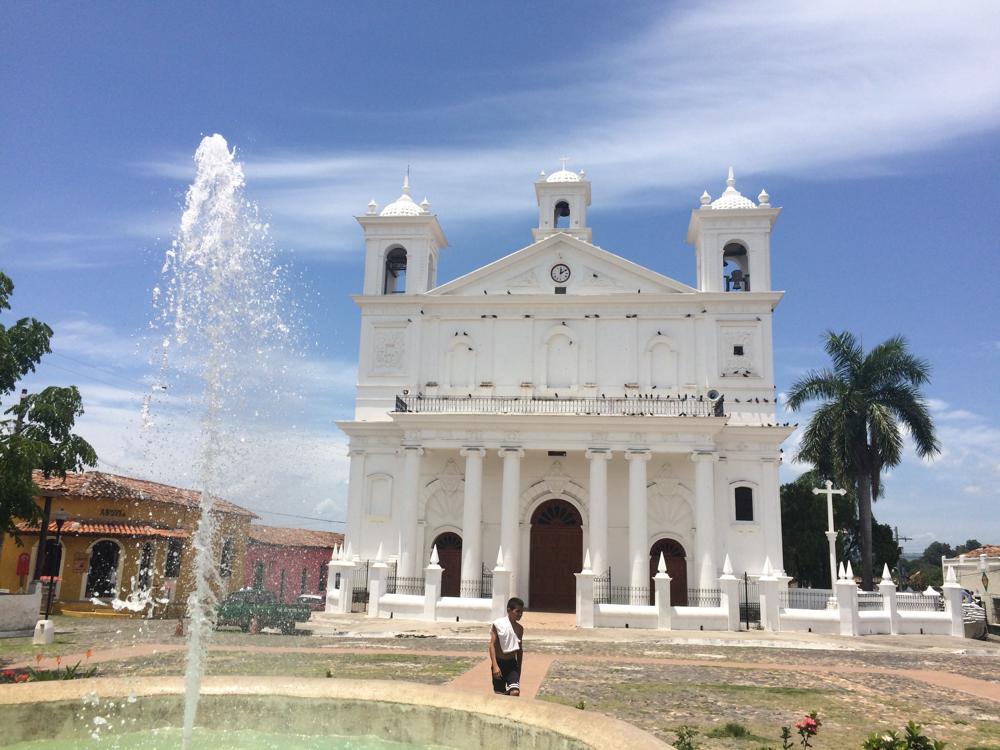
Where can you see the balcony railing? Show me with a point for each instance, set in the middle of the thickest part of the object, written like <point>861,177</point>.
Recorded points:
<point>630,406</point>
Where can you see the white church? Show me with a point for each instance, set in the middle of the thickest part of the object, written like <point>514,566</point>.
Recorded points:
<point>563,403</point>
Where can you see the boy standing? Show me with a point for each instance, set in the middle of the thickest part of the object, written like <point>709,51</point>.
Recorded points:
<point>506,650</point>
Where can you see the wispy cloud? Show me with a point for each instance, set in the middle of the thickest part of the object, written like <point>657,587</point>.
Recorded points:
<point>811,89</point>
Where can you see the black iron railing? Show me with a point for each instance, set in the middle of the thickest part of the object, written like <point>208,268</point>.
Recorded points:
<point>478,588</point>
<point>749,602</point>
<point>631,406</point>
<point>806,598</point>
<point>359,588</point>
<point>919,603</point>
<point>869,600</point>
<point>704,597</point>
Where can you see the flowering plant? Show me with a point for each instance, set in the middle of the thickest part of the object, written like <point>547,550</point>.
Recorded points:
<point>807,728</point>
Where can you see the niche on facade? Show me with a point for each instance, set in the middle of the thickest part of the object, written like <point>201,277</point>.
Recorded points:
<point>561,359</point>
<point>460,362</point>
<point>378,496</point>
<point>661,363</point>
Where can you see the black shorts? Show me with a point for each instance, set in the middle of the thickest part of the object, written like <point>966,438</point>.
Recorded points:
<point>510,677</point>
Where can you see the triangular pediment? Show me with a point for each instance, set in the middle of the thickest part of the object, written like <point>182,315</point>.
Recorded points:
<point>591,271</point>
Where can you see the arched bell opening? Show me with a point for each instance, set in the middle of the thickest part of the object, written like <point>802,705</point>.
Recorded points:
<point>560,217</point>
<point>556,550</point>
<point>395,271</point>
<point>676,559</point>
<point>449,548</point>
<point>736,267</point>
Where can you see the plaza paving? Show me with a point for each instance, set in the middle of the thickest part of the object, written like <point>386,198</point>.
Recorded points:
<point>655,680</point>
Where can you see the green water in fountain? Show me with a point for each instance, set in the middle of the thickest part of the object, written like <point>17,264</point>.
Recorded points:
<point>217,739</point>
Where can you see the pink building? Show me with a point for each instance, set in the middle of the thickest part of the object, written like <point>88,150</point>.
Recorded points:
<point>289,562</point>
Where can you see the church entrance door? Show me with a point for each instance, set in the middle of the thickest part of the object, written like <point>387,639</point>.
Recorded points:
<point>674,556</point>
<point>449,546</point>
<point>556,554</point>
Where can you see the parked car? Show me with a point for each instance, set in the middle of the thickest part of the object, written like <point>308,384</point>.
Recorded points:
<point>315,602</point>
<point>241,607</point>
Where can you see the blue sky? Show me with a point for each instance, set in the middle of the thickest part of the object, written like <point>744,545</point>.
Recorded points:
<point>875,128</point>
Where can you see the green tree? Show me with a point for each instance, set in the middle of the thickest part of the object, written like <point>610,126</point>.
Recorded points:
<point>806,552</point>
<point>37,431</point>
<point>855,431</point>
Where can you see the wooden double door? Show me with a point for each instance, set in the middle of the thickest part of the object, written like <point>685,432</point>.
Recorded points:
<point>676,559</point>
<point>556,555</point>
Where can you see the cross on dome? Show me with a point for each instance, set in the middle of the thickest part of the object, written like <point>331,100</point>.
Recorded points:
<point>563,175</point>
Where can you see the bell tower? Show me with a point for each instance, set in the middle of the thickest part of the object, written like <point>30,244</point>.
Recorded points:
<point>732,241</point>
<point>563,198</point>
<point>402,243</point>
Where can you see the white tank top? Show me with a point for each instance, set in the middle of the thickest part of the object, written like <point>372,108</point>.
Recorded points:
<point>506,637</point>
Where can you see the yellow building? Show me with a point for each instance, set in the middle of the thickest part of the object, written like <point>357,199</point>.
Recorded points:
<point>124,541</point>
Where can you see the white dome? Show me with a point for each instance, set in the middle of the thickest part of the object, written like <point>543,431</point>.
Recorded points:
<point>563,175</point>
<point>404,205</point>
<point>731,197</point>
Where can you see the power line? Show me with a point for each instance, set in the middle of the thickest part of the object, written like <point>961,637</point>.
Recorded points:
<point>99,369</point>
<point>293,515</point>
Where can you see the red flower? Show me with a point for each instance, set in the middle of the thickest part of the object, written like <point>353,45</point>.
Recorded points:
<point>23,677</point>
<point>8,673</point>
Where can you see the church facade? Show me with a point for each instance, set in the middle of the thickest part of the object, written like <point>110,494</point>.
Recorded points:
<point>564,401</point>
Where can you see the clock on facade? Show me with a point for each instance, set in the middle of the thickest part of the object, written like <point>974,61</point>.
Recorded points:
<point>560,273</point>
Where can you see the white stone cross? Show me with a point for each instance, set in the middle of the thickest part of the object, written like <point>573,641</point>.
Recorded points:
<point>831,535</point>
<point>829,492</point>
<point>564,159</point>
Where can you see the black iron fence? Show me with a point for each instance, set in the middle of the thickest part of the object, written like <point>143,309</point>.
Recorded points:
<point>704,597</point>
<point>749,602</point>
<point>359,588</point>
<point>397,584</point>
<point>806,598</point>
<point>629,406</point>
<point>478,588</point>
<point>919,603</point>
<point>870,600</point>
<point>602,587</point>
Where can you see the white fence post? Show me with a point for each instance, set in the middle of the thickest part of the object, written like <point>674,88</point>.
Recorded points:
<point>501,588</point>
<point>432,587</point>
<point>729,587</point>
<point>847,603</point>
<point>770,603</point>
<point>345,568</point>
<point>378,573</point>
<point>888,591</point>
<point>953,603</point>
<point>585,595</point>
<point>661,582</point>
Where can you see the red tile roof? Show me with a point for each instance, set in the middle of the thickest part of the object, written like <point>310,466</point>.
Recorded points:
<point>100,528</point>
<point>990,550</point>
<point>283,537</point>
<point>100,485</point>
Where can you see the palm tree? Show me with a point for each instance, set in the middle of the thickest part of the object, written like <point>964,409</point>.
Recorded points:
<point>855,432</point>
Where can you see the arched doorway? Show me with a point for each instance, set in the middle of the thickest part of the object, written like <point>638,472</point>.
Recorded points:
<point>556,552</point>
<point>102,576</point>
<point>449,547</point>
<point>675,558</point>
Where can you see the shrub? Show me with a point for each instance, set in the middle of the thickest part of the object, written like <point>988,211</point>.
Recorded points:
<point>912,739</point>
<point>730,729</point>
<point>685,738</point>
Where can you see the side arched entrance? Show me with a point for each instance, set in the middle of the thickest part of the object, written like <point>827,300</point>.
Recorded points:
<point>103,572</point>
<point>676,560</point>
<point>449,547</point>
<point>556,552</point>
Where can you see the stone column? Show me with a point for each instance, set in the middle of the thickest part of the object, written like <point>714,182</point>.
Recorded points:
<point>472,522</point>
<point>356,500</point>
<point>638,537</point>
<point>509,500</point>
<point>729,586</point>
<point>501,590</point>
<point>888,591</point>
<point>432,589</point>
<point>770,603</point>
<point>846,592</point>
<point>408,511</point>
<point>952,593</point>
<point>704,518</point>
<point>378,573</point>
<point>598,521</point>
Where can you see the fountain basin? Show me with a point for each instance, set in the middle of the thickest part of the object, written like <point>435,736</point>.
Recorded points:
<point>403,712</point>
